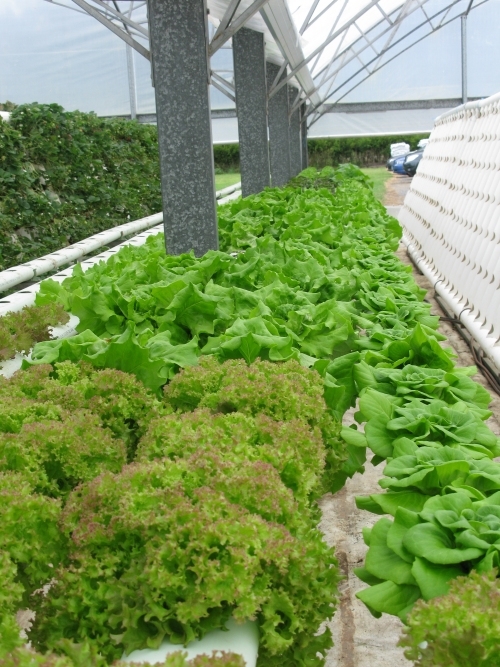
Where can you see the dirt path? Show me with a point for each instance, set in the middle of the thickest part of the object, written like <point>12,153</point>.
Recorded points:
<point>395,190</point>
<point>360,639</point>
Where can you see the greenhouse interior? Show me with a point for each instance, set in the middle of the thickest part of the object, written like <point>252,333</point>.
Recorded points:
<point>250,333</point>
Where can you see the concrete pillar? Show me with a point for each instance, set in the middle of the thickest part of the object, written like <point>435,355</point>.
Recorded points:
<point>279,145</point>
<point>294,134</point>
<point>178,38</point>
<point>303,135</point>
<point>251,108</point>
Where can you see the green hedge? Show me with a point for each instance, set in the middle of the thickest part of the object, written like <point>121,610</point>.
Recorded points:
<point>67,175</point>
<point>361,151</point>
<point>227,157</point>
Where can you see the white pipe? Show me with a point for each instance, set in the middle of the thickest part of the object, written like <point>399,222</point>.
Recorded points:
<point>231,197</point>
<point>26,297</point>
<point>30,270</point>
<point>228,191</point>
<point>37,267</point>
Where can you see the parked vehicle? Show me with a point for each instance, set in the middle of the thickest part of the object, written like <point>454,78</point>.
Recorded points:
<point>389,163</point>
<point>397,165</point>
<point>411,162</point>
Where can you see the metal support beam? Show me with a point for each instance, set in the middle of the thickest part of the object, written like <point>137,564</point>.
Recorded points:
<point>294,134</point>
<point>463,20</point>
<point>132,89</point>
<point>114,28</point>
<point>220,38</point>
<point>279,145</point>
<point>303,135</point>
<point>178,34</point>
<point>251,108</point>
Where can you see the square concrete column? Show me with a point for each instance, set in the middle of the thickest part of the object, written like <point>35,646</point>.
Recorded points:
<point>178,38</point>
<point>251,108</point>
<point>303,135</point>
<point>294,134</point>
<point>279,145</point>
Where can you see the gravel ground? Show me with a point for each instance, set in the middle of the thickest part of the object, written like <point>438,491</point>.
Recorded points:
<point>360,639</point>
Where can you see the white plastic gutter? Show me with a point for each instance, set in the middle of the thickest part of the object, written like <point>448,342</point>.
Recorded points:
<point>38,267</point>
<point>72,253</point>
<point>222,194</point>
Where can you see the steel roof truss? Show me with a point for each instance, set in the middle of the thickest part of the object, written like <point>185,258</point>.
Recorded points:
<point>321,48</point>
<point>380,53</point>
<point>222,81</point>
<point>308,17</point>
<point>93,11</point>
<point>332,30</point>
<point>446,10</point>
<point>235,24</point>
<point>124,18</point>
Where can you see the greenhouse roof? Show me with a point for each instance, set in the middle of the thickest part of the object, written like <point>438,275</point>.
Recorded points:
<point>335,51</point>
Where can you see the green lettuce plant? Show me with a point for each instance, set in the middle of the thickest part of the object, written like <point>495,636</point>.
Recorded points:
<point>19,331</point>
<point>284,392</point>
<point>157,552</point>
<point>430,423</point>
<point>42,393</point>
<point>31,547</point>
<point>424,383</point>
<point>58,455</point>
<point>292,447</point>
<point>459,629</point>
<point>423,548</point>
<point>436,471</point>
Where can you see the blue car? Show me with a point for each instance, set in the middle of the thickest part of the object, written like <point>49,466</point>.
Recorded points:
<point>397,165</point>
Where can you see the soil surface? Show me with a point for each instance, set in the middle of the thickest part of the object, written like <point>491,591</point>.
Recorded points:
<point>360,639</point>
<point>396,189</point>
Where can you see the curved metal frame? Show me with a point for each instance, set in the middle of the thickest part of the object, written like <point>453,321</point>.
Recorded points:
<point>316,80</point>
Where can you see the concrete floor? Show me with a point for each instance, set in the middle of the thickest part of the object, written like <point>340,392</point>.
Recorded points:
<point>360,639</point>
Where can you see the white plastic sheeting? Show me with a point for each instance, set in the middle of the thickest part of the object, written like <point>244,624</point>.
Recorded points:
<point>52,54</point>
<point>410,121</point>
<point>451,217</point>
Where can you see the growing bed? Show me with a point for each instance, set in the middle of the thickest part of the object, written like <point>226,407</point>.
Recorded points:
<point>187,430</point>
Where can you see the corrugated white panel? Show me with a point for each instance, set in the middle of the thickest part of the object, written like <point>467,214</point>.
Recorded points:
<point>451,217</point>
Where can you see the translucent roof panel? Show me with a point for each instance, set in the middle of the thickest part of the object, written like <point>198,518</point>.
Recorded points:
<point>336,50</point>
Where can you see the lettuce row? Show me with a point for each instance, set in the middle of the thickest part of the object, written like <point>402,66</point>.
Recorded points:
<point>228,464</point>
<point>306,276</point>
